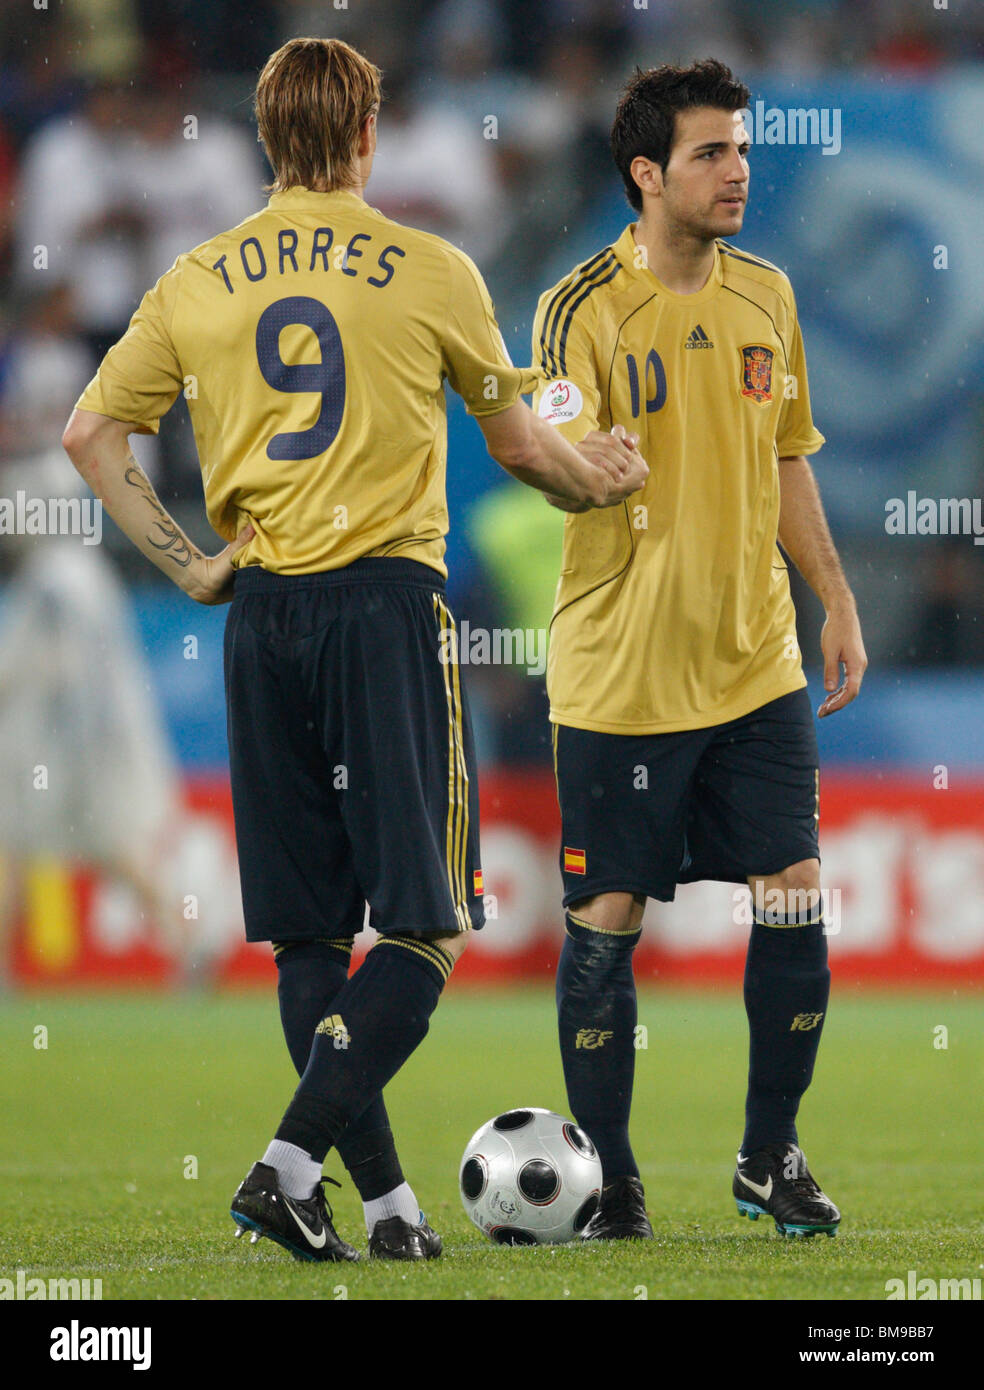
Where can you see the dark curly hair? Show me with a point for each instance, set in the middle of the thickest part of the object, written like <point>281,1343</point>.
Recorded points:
<point>645,119</point>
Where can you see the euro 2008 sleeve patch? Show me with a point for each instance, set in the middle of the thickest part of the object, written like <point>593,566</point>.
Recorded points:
<point>561,402</point>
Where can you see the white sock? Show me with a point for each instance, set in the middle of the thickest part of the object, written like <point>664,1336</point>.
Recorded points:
<point>297,1170</point>
<point>398,1202</point>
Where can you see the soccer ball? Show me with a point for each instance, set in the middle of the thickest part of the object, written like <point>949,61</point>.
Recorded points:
<point>530,1177</point>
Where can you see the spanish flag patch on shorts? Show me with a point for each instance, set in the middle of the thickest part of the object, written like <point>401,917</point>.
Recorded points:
<point>574,861</point>
<point>479,883</point>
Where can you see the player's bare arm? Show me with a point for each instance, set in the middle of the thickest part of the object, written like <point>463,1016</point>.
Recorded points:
<point>805,536</point>
<point>99,448</point>
<point>597,446</point>
<point>536,454</point>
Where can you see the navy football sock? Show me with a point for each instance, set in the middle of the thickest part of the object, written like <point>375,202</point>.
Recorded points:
<point>310,975</point>
<point>376,1021</point>
<point>596,1014</point>
<point>370,1155</point>
<point>787,986</point>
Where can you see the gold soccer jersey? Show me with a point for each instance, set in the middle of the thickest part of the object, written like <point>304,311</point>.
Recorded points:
<point>311,343</point>
<point>673,610</point>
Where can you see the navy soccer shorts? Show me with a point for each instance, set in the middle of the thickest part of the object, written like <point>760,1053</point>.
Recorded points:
<point>351,755</point>
<point>642,813</point>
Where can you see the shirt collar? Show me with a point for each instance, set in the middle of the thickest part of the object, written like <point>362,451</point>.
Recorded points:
<point>629,255</point>
<point>299,196</point>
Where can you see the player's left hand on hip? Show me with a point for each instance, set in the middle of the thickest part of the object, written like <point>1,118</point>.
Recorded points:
<point>212,580</point>
<point>841,644</point>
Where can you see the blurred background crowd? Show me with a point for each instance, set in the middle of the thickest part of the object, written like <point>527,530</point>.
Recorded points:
<point>126,137</point>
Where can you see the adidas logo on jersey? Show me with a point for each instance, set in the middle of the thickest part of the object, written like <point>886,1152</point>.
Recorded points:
<point>698,339</point>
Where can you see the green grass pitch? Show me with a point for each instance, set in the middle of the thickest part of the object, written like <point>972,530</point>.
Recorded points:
<point>133,1092</point>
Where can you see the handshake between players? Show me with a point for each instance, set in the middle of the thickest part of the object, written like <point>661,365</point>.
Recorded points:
<point>600,471</point>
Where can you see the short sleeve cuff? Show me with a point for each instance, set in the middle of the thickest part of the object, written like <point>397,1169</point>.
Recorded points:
<point>98,397</point>
<point>505,385</point>
<point>805,444</point>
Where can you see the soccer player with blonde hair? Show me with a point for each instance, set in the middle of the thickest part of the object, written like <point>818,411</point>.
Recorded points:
<point>312,342</point>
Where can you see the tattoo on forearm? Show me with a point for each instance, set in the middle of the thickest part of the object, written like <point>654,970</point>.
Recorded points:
<point>168,536</point>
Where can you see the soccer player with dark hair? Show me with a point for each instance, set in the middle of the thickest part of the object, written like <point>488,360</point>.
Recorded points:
<point>312,343</point>
<point>684,740</point>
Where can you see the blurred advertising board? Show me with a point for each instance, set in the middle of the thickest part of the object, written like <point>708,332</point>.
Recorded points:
<point>903,881</point>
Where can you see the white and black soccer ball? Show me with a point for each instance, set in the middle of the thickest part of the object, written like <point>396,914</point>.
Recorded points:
<point>530,1177</point>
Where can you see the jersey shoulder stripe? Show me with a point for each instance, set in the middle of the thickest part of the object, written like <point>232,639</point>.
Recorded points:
<point>749,259</point>
<point>610,273</point>
<point>761,283</point>
<point>557,298</point>
<point>561,296</point>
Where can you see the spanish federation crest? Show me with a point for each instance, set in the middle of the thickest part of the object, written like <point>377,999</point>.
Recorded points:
<point>756,372</point>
